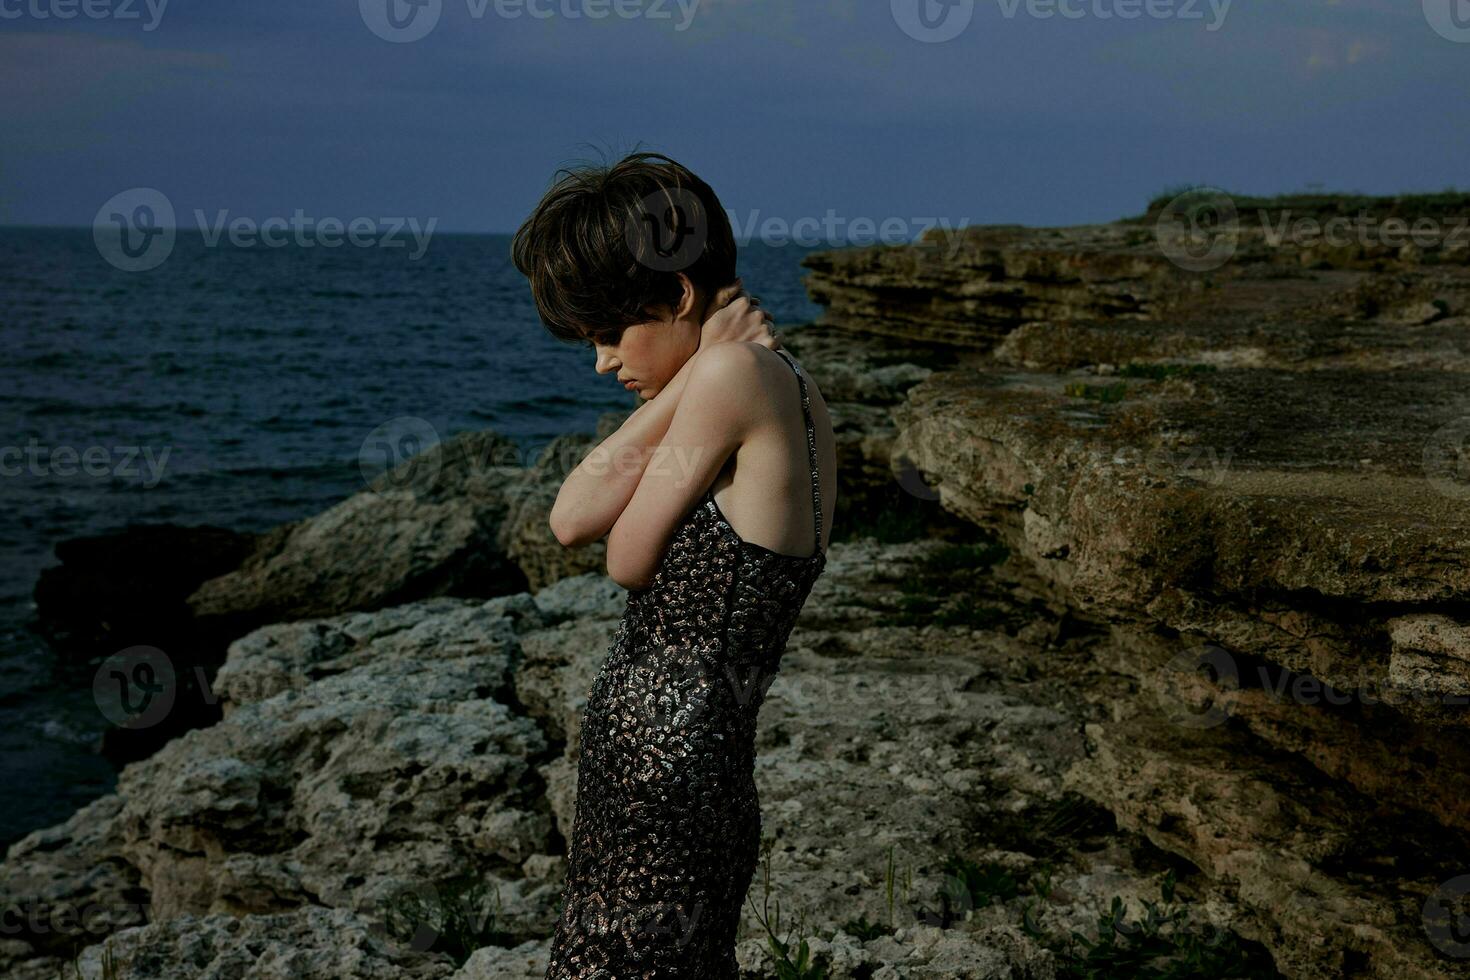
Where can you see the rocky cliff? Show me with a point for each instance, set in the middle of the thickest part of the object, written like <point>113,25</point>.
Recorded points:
<point>1143,643</point>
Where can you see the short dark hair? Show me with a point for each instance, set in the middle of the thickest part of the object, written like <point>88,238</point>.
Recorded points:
<point>605,245</point>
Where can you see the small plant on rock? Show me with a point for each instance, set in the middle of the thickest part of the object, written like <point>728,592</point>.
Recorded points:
<point>790,959</point>
<point>457,919</point>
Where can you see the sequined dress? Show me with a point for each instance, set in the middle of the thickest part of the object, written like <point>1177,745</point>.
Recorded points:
<point>667,828</point>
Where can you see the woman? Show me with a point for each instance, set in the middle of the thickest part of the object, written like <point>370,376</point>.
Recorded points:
<point>715,496</point>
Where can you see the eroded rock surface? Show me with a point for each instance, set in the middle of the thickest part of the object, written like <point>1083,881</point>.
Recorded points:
<point>1258,476</point>
<point>927,711</point>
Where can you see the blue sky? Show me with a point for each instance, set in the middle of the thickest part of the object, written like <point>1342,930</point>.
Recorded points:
<point>790,109</point>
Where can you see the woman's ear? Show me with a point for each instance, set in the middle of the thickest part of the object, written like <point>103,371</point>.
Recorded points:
<point>691,303</point>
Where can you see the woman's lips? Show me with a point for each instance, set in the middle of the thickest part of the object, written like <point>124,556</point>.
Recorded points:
<point>631,385</point>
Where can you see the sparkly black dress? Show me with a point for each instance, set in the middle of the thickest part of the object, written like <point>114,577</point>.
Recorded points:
<point>667,828</point>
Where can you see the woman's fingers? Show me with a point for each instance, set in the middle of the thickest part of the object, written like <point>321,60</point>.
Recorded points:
<point>724,296</point>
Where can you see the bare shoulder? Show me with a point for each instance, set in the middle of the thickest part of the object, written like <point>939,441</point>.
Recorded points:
<point>729,372</point>
<point>730,359</point>
<point>740,370</point>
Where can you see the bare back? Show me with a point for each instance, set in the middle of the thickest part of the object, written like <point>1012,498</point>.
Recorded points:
<point>765,488</point>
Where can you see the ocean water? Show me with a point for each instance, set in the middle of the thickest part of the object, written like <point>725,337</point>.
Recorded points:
<point>236,387</point>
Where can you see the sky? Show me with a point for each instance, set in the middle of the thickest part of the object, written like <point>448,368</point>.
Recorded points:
<point>1042,112</point>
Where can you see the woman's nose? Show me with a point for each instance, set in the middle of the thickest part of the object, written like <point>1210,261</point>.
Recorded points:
<point>604,362</point>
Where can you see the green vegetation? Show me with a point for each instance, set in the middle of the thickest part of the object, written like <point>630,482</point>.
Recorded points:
<point>968,886</point>
<point>110,968</point>
<point>965,558</point>
<point>1162,945</point>
<point>791,960</point>
<point>456,917</point>
<point>865,930</point>
<point>1049,831</point>
<point>892,525</point>
<point>1104,393</point>
<point>941,590</point>
<point>1449,201</point>
<point>1159,372</point>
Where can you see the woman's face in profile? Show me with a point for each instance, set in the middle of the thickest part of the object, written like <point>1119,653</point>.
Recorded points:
<point>649,354</point>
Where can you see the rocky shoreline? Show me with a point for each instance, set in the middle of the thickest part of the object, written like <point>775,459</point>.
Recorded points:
<point>1144,637</point>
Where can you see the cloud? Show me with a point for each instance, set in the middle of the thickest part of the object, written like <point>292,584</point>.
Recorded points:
<point>46,76</point>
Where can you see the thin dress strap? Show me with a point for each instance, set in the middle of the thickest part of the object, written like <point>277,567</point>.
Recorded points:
<point>811,448</point>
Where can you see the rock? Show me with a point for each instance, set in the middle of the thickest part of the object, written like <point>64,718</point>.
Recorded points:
<point>924,953</point>
<point>428,527</point>
<point>305,944</point>
<point>1431,656</point>
<point>525,534</point>
<point>527,961</point>
<point>1192,509</point>
<point>69,886</point>
<point>1279,836</point>
<point>361,756</point>
<point>1203,473</point>
<point>110,591</point>
<point>376,757</point>
<point>969,288</point>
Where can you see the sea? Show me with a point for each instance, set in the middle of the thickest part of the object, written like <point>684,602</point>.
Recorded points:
<point>237,385</point>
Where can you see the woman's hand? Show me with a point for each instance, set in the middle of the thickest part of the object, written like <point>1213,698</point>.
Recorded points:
<point>733,315</point>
